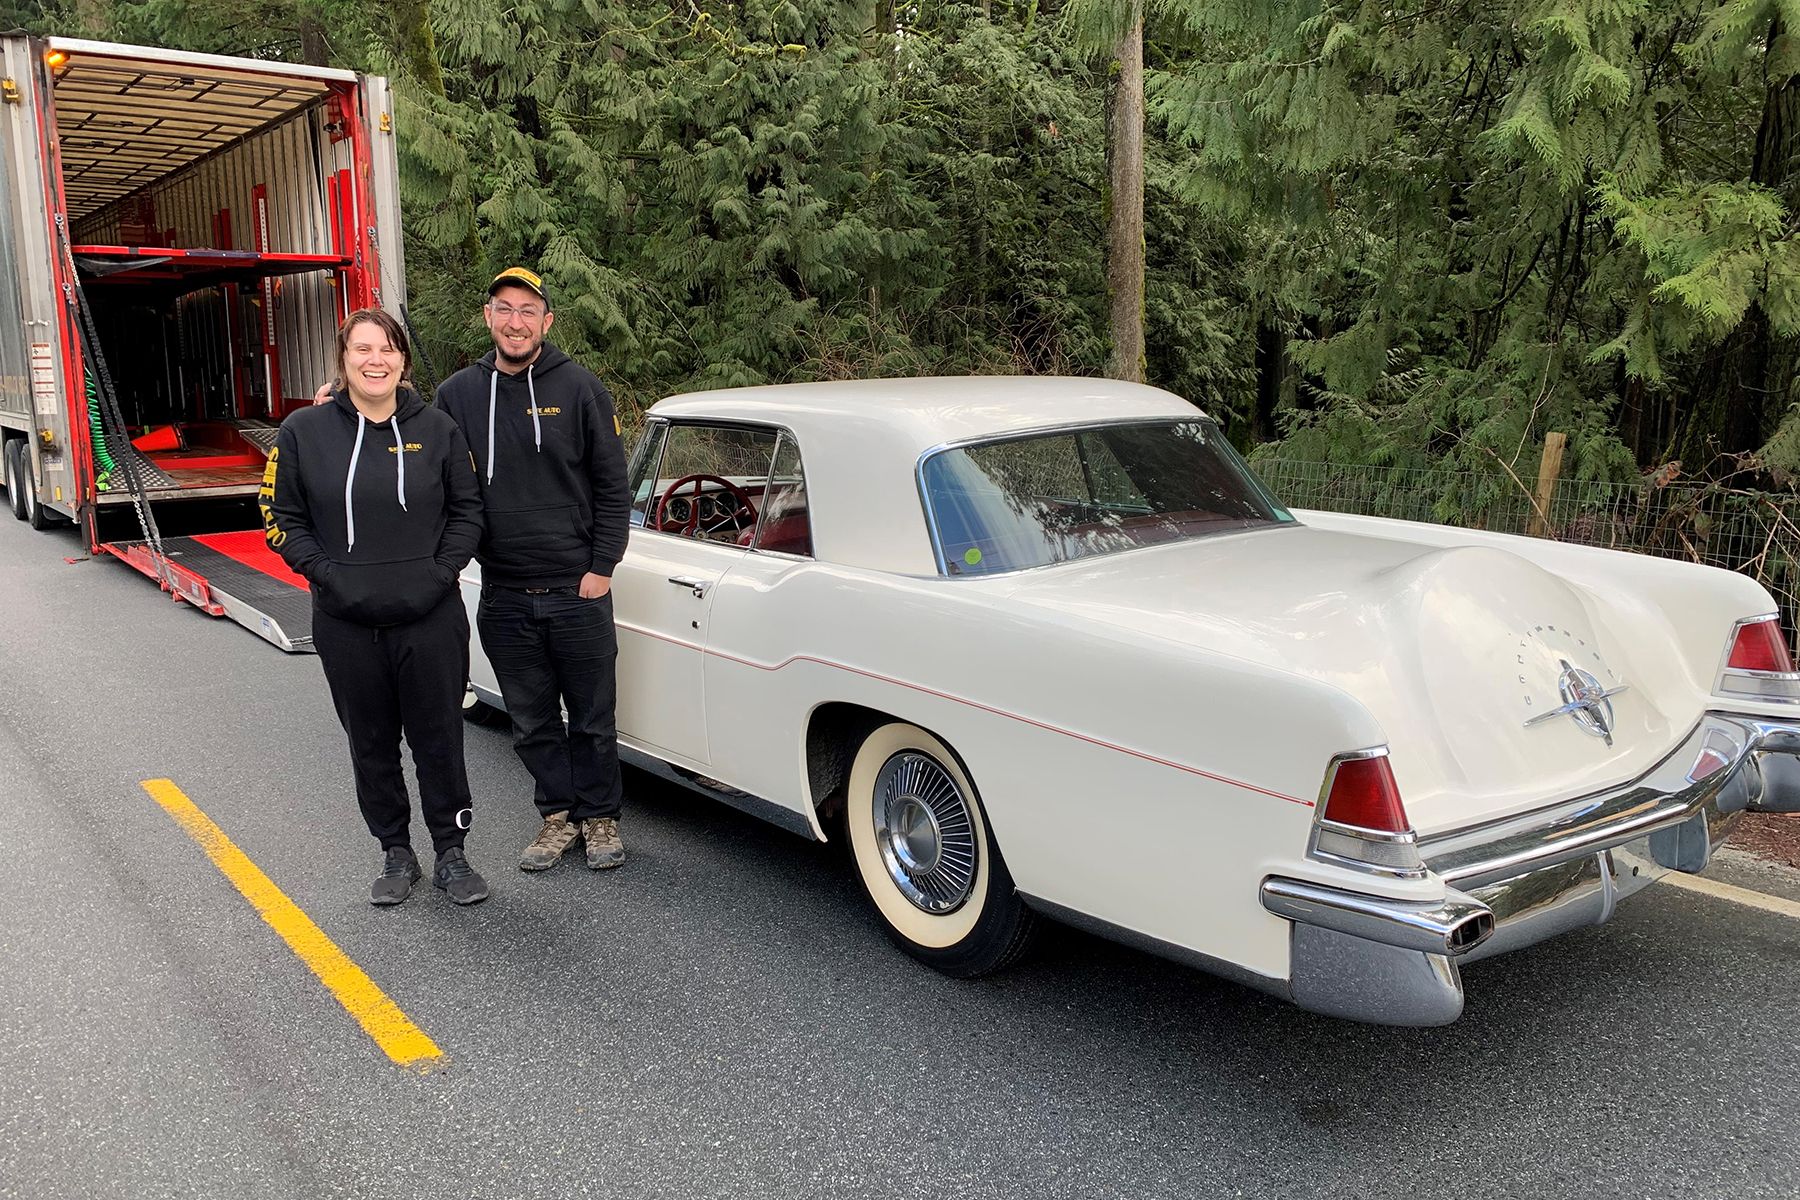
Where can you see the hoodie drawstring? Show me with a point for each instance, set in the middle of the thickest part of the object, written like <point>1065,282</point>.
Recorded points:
<point>350,476</point>
<point>537,430</point>
<point>400,454</point>
<point>349,483</point>
<point>493,391</point>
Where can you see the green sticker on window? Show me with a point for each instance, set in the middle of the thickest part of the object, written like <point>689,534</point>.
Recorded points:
<point>971,556</point>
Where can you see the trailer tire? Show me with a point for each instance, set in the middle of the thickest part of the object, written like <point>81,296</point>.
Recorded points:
<point>36,515</point>
<point>16,484</point>
<point>39,517</point>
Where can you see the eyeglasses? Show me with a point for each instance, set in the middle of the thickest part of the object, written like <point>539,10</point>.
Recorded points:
<point>505,311</point>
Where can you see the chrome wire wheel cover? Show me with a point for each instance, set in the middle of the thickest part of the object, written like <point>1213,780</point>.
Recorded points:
<point>925,833</point>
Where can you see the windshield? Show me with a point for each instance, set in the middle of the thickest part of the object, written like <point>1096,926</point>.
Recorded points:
<point>1052,497</point>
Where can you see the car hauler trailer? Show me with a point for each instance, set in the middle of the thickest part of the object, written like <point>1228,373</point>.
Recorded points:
<point>187,231</point>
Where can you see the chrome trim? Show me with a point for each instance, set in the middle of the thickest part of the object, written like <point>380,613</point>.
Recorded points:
<point>1591,708</point>
<point>1405,837</point>
<point>1450,927</point>
<point>926,833</point>
<point>1339,975</point>
<point>1480,854</point>
<point>1534,875</point>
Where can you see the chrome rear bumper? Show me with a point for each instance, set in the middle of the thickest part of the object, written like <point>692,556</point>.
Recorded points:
<point>1523,879</point>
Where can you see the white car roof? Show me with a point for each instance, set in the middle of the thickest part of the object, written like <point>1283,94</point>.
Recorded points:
<point>860,442</point>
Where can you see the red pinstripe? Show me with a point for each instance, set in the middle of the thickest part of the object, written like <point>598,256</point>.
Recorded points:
<point>987,708</point>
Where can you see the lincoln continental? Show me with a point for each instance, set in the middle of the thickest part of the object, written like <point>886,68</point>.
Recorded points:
<point>1047,649</point>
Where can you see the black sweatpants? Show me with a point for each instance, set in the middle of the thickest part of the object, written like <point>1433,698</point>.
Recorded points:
<point>403,678</point>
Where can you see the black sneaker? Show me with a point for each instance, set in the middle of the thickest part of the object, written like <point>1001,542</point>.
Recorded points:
<point>458,879</point>
<point>399,871</point>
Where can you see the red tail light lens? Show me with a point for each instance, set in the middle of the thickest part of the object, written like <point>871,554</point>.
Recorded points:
<point>1759,646</point>
<point>1363,794</point>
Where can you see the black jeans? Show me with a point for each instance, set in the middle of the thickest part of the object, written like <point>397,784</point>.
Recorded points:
<point>553,651</point>
<point>403,678</point>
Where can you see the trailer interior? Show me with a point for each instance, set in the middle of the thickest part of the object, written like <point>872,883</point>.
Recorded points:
<point>214,222</point>
<point>208,211</point>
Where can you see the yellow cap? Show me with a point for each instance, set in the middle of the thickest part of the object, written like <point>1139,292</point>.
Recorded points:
<point>519,277</point>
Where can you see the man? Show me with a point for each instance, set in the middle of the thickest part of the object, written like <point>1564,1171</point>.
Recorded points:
<point>552,474</point>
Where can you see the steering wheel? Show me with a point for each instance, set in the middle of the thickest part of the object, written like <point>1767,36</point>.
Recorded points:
<point>743,510</point>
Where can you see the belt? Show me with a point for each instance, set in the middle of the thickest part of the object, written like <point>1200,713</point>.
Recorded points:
<point>536,591</point>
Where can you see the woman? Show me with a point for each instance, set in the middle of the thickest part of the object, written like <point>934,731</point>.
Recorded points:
<point>373,499</point>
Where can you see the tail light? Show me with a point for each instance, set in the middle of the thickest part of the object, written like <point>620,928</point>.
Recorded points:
<point>1758,666</point>
<point>1361,820</point>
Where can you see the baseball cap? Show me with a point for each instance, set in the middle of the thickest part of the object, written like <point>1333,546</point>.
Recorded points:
<point>520,277</point>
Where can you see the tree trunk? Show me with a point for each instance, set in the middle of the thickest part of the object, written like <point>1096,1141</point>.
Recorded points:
<point>1271,375</point>
<point>416,46</point>
<point>1125,206</point>
<point>1756,368</point>
<point>314,50</point>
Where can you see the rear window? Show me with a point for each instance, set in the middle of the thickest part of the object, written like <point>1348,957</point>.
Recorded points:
<point>1046,498</point>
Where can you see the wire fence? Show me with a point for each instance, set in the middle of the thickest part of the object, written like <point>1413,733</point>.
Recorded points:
<point>1755,533</point>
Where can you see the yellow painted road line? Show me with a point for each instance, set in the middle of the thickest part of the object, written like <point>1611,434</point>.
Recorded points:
<point>1737,895</point>
<point>380,1017</point>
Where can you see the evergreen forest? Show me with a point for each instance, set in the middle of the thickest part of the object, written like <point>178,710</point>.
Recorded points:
<point>1419,233</point>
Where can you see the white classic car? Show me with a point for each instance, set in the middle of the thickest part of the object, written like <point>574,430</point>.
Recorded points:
<point>1047,647</point>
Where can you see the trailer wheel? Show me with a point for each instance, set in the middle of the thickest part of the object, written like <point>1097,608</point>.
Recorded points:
<point>16,486</point>
<point>39,517</point>
<point>36,515</point>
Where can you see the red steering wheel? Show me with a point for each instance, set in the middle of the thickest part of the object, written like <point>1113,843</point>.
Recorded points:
<point>742,512</point>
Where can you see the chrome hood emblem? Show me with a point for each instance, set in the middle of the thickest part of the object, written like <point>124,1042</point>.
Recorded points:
<point>1585,700</point>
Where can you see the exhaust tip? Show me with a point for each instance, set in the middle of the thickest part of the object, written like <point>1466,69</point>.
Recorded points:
<point>1468,934</point>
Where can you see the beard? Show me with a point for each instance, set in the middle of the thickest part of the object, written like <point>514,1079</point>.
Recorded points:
<point>518,360</point>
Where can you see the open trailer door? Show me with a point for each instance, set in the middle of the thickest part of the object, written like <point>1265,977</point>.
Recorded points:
<point>214,218</point>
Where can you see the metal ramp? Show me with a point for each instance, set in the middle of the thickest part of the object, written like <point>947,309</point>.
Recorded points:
<point>231,575</point>
<point>261,434</point>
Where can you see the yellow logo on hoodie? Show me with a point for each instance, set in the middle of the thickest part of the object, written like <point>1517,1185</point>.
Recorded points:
<point>411,448</point>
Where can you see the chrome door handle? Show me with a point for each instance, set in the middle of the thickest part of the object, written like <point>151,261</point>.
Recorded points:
<point>697,586</point>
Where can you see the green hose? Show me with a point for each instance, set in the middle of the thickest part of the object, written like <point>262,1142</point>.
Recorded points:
<point>97,434</point>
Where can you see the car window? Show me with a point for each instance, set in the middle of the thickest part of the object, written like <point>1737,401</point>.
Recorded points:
<point>709,482</point>
<point>1022,502</point>
<point>785,527</point>
<point>642,475</point>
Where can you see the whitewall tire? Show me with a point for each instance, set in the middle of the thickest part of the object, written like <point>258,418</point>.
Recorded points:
<point>925,857</point>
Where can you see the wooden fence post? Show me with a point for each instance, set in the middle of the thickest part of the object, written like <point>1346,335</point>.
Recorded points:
<point>1549,468</point>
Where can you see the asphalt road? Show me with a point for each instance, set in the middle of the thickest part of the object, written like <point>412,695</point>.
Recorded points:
<point>721,1017</point>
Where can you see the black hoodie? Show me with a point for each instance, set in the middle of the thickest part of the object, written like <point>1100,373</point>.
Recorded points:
<point>551,466</point>
<point>384,548</point>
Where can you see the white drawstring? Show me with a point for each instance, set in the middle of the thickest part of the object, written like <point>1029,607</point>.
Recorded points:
<point>350,476</point>
<point>350,482</point>
<point>493,391</point>
<point>537,432</point>
<point>400,453</point>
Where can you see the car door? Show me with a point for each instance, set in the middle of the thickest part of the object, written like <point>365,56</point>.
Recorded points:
<point>694,499</point>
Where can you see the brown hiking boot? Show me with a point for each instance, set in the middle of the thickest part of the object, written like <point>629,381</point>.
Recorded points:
<point>604,849</point>
<point>549,844</point>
